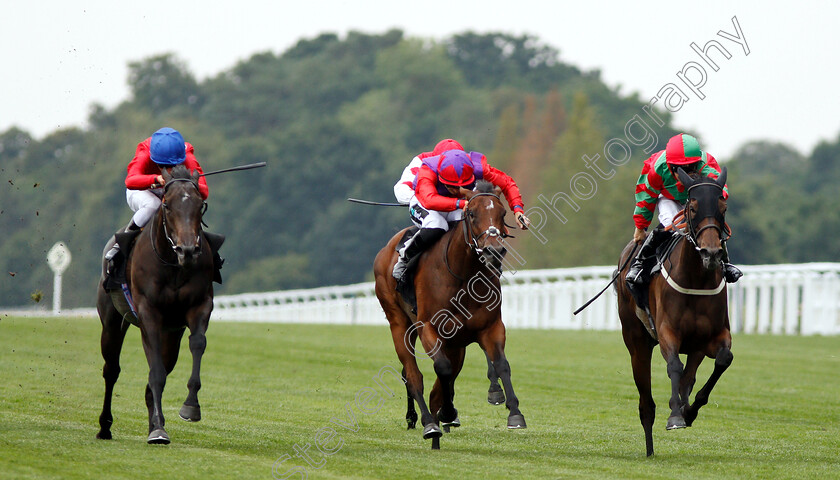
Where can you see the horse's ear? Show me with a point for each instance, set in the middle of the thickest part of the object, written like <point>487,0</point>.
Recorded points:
<point>195,175</point>
<point>721,180</point>
<point>497,190</point>
<point>686,180</point>
<point>167,174</point>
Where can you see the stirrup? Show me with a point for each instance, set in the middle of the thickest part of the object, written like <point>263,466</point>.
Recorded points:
<point>731,273</point>
<point>634,277</point>
<point>399,269</point>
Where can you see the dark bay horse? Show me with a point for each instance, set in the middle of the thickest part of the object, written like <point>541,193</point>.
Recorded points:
<point>689,309</point>
<point>458,303</point>
<point>169,273</point>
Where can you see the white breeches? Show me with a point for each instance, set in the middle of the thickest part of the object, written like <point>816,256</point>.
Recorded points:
<point>431,218</point>
<point>667,210</point>
<point>143,203</point>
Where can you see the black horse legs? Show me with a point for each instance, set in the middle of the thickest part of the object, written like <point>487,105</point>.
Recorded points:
<point>495,394</point>
<point>191,410</point>
<point>113,334</point>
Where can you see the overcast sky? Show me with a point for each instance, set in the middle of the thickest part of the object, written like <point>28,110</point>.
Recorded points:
<point>61,57</point>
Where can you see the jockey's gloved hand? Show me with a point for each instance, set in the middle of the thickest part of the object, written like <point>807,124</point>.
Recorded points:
<point>523,221</point>
<point>639,235</point>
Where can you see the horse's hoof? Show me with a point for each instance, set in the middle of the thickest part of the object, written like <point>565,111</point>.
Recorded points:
<point>456,422</point>
<point>675,422</point>
<point>431,431</point>
<point>412,424</point>
<point>496,398</point>
<point>158,437</point>
<point>516,422</point>
<point>104,435</point>
<point>190,413</point>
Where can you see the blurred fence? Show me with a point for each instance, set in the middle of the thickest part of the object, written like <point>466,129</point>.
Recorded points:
<point>775,299</point>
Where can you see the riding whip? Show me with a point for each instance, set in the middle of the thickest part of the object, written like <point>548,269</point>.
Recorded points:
<point>234,169</point>
<point>617,273</point>
<point>378,204</point>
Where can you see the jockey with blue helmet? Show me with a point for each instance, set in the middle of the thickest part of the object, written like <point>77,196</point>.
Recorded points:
<point>438,197</point>
<point>144,181</point>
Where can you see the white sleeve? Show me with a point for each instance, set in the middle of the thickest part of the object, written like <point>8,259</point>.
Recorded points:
<point>404,189</point>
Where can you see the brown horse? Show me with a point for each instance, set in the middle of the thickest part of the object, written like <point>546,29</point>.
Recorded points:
<point>458,303</point>
<point>688,306</point>
<point>169,274</point>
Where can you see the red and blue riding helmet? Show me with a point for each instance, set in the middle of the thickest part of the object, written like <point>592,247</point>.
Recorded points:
<point>455,169</point>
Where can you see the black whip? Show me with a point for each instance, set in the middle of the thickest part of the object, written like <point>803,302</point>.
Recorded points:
<point>617,273</point>
<point>234,169</point>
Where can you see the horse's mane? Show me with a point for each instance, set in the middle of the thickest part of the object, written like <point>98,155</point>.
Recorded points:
<point>483,186</point>
<point>181,171</point>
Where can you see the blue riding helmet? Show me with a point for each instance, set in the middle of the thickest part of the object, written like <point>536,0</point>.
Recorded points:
<point>167,147</point>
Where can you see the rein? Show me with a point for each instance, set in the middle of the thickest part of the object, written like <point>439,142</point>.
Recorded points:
<point>491,231</point>
<point>690,234</point>
<point>161,211</point>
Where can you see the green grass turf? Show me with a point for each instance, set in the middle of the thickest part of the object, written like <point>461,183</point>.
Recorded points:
<point>269,388</point>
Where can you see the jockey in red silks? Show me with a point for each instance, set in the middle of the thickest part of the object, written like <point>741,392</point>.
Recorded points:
<point>165,149</point>
<point>659,185</point>
<point>437,198</point>
<point>404,189</point>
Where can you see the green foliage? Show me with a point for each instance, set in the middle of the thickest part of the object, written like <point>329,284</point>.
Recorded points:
<point>341,117</point>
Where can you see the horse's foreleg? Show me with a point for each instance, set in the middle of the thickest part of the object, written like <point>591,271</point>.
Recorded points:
<point>442,398</point>
<point>689,377</point>
<point>492,341</point>
<point>111,341</point>
<point>403,338</point>
<point>151,333</point>
<point>495,394</point>
<point>723,359</point>
<point>640,354</point>
<point>670,351</point>
<point>198,322</point>
<point>410,412</point>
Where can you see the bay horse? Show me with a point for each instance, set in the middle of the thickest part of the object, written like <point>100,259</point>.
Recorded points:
<point>688,304</point>
<point>458,302</point>
<point>169,274</point>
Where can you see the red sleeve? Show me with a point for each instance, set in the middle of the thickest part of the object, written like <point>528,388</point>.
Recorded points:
<point>191,163</point>
<point>427,195</point>
<point>506,183</point>
<point>710,161</point>
<point>142,171</point>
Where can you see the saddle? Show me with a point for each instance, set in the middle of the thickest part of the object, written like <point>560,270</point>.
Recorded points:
<point>116,281</point>
<point>651,266</point>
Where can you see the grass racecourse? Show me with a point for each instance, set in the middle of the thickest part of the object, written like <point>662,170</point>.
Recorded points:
<point>272,391</point>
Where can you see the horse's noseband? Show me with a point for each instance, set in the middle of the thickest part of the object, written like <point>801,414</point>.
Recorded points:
<point>163,208</point>
<point>692,235</point>
<point>491,231</point>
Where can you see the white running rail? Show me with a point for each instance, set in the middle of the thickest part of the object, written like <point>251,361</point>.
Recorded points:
<point>788,299</point>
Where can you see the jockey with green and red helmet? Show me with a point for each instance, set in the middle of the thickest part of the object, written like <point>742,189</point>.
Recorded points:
<point>659,186</point>
<point>438,197</point>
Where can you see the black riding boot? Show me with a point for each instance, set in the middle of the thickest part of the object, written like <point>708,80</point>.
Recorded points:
<point>109,256</point>
<point>424,238</point>
<point>635,275</point>
<point>730,272</point>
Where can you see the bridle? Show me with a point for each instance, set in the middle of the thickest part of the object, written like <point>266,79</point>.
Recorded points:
<point>162,210</point>
<point>469,237</point>
<point>692,233</point>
